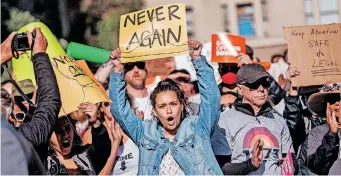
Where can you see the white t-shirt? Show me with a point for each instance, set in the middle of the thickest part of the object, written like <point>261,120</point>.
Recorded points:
<point>127,159</point>
<point>169,166</point>
<point>144,105</point>
<point>195,99</point>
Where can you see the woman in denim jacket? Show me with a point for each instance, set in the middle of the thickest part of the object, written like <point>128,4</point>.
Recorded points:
<point>174,143</point>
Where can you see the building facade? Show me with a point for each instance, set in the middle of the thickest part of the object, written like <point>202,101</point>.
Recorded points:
<point>260,21</point>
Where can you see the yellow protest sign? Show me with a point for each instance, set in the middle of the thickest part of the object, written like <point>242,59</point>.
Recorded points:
<point>23,68</point>
<point>74,84</point>
<point>316,52</point>
<point>153,33</point>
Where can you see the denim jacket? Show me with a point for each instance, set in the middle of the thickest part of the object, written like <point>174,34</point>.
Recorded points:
<point>191,147</point>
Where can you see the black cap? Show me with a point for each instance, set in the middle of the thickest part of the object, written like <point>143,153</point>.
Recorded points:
<point>250,73</point>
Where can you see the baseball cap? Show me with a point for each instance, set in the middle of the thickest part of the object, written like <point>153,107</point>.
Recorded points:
<point>250,73</point>
<point>229,78</point>
<point>26,86</point>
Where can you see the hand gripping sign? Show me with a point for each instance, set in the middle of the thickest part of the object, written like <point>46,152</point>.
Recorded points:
<point>153,33</point>
<point>74,84</point>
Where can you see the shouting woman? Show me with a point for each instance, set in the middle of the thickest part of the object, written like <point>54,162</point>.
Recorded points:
<point>173,143</point>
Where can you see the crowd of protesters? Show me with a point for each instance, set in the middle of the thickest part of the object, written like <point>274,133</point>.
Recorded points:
<point>250,123</point>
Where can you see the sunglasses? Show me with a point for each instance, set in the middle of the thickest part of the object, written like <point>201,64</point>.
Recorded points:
<point>19,116</point>
<point>265,83</point>
<point>21,99</point>
<point>130,65</point>
<point>184,80</point>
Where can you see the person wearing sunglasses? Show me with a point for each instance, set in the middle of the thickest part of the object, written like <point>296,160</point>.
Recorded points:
<point>135,74</point>
<point>257,136</point>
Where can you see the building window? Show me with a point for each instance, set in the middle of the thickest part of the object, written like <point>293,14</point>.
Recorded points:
<point>224,10</point>
<point>329,11</point>
<point>189,18</point>
<point>309,12</point>
<point>265,16</point>
<point>245,16</point>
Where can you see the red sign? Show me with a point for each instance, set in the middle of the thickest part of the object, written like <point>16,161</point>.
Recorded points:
<point>226,47</point>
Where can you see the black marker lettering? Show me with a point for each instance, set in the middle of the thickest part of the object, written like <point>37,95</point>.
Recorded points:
<point>172,11</point>
<point>131,20</point>
<point>140,17</point>
<point>159,13</point>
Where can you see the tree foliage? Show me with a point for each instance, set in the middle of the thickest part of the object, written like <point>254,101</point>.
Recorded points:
<point>18,19</point>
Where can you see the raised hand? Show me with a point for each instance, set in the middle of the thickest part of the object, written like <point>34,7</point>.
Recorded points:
<point>257,153</point>
<point>195,49</point>
<point>115,57</point>
<point>40,42</point>
<point>91,110</point>
<point>6,48</point>
<point>243,59</point>
<point>331,119</point>
<point>292,72</point>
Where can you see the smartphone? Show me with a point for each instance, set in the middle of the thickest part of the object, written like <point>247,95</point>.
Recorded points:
<point>20,42</point>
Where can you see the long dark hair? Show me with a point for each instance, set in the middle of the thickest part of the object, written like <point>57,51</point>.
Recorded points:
<point>170,85</point>
<point>77,145</point>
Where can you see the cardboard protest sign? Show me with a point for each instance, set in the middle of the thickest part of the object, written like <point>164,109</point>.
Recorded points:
<point>82,64</point>
<point>226,47</point>
<point>159,69</point>
<point>23,68</point>
<point>158,32</point>
<point>316,52</point>
<point>74,84</point>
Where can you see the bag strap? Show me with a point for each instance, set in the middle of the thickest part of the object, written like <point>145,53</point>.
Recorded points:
<point>18,88</point>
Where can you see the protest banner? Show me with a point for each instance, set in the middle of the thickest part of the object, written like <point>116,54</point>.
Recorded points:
<point>74,84</point>
<point>226,47</point>
<point>153,33</point>
<point>316,52</point>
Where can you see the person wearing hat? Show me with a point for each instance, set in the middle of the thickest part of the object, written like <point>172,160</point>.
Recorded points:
<point>321,150</point>
<point>257,136</point>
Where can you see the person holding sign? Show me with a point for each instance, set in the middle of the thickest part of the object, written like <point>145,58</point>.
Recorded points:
<point>174,143</point>
<point>135,74</point>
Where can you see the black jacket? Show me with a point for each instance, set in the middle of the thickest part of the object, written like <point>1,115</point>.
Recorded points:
<point>38,131</point>
<point>320,151</point>
<point>276,93</point>
<point>294,114</point>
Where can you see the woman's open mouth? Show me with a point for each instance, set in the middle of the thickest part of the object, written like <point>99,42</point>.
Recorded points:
<point>171,121</point>
<point>66,143</point>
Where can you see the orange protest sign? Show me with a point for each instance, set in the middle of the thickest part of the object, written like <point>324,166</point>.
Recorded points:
<point>82,64</point>
<point>226,47</point>
<point>316,52</point>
